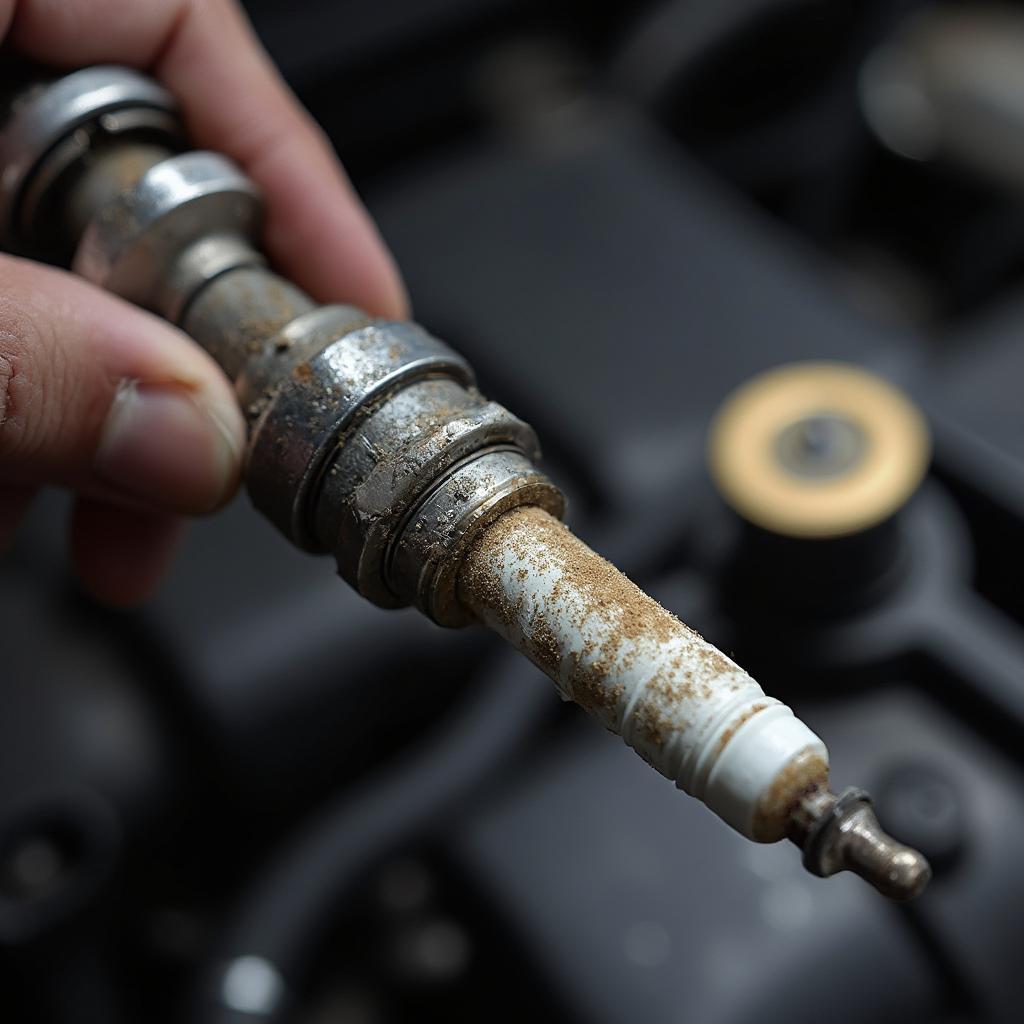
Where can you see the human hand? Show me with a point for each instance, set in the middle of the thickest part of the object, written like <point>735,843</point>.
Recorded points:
<point>103,398</point>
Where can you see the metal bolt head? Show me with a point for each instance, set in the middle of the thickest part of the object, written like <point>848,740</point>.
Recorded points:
<point>844,835</point>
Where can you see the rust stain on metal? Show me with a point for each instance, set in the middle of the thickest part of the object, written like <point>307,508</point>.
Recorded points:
<point>632,625</point>
<point>804,776</point>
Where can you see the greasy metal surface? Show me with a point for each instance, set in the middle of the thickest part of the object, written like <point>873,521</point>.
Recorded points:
<point>429,554</point>
<point>200,264</point>
<point>306,413</point>
<point>134,239</point>
<point>404,459</point>
<point>236,316</point>
<point>103,177</point>
<point>55,111</point>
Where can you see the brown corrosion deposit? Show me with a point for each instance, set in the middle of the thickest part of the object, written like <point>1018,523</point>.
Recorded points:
<point>803,778</point>
<point>614,650</point>
<point>541,543</point>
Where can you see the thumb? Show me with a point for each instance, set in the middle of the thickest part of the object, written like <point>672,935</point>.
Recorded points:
<point>100,396</point>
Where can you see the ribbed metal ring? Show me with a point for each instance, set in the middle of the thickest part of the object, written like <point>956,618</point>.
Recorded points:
<point>320,399</point>
<point>818,838</point>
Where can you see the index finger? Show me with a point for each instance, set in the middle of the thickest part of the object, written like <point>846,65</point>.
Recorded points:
<point>234,101</point>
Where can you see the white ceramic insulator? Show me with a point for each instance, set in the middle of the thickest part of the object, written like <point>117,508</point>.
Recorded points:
<point>687,709</point>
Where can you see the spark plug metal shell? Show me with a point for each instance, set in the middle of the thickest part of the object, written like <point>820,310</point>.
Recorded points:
<point>367,437</point>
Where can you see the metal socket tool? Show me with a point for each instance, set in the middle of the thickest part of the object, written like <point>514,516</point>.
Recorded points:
<point>369,440</point>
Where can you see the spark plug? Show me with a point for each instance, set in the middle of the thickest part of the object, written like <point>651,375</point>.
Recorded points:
<point>368,439</point>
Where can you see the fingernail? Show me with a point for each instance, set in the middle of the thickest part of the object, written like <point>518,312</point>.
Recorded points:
<point>171,447</point>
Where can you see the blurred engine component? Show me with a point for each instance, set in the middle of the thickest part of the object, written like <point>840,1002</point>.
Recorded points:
<point>950,84</point>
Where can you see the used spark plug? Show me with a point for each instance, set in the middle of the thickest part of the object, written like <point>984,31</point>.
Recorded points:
<point>369,440</point>
<point>683,706</point>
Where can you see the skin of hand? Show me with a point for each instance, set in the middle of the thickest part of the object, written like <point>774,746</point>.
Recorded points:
<point>109,401</point>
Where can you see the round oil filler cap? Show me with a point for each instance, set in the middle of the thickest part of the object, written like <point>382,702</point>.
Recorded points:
<point>817,449</point>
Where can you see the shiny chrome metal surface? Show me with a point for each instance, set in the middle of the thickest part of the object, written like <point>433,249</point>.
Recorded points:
<point>52,113</point>
<point>132,243</point>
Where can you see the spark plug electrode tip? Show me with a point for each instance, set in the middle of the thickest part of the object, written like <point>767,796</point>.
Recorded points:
<point>843,834</point>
